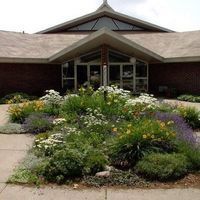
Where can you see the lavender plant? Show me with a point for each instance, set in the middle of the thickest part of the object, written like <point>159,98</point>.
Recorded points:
<point>184,131</point>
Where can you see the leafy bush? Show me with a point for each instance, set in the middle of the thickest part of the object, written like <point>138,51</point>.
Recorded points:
<point>46,144</point>
<point>63,165</point>
<point>19,112</point>
<point>143,104</point>
<point>52,101</point>
<point>18,97</point>
<point>188,97</point>
<point>94,162</point>
<point>162,167</point>
<point>134,140</point>
<point>191,115</point>
<point>37,123</point>
<point>192,153</point>
<point>12,128</point>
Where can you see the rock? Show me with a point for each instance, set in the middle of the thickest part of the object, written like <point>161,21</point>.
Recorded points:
<point>75,186</point>
<point>108,168</point>
<point>103,174</point>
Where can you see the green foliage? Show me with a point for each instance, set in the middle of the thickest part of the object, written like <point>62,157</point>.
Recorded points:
<point>134,140</point>
<point>117,177</point>
<point>94,161</point>
<point>12,128</point>
<point>189,97</point>
<point>79,104</point>
<point>52,109</point>
<point>162,167</point>
<point>19,112</point>
<point>63,165</point>
<point>24,176</point>
<point>193,155</point>
<point>191,115</point>
<point>37,123</point>
<point>17,97</point>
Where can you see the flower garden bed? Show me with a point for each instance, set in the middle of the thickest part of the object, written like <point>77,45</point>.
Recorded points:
<point>131,141</point>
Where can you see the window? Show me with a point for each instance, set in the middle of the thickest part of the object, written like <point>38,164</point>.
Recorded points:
<point>105,21</point>
<point>115,57</point>
<point>141,80</point>
<point>68,76</point>
<point>91,57</point>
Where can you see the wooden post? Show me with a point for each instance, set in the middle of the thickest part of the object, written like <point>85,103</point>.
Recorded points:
<point>104,65</point>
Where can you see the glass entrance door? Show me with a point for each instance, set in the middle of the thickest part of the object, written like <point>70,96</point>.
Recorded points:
<point>89,75</point>
<point>128,77</point>
<point>114,75</point>
<point>95,77</point>
<point>122,75</point>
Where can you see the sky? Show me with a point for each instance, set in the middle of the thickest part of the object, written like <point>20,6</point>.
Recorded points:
<point>35,15</point>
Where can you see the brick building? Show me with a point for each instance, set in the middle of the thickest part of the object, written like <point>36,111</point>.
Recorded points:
<point>103,47</point>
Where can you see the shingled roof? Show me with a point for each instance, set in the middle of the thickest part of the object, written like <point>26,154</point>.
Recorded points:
<point>165,47</point>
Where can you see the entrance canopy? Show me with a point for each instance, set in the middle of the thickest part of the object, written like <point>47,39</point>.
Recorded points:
<point>105,37</point>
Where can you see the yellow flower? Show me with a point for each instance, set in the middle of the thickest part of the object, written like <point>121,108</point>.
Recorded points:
<point>114,129</point>
<point>128,131</point>
<point>152,137</point>
<point>144,136</point>
<point>129,125</point>
<point>162,124</point>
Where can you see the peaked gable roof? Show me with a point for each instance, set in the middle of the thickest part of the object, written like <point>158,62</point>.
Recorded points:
<point>105,10</point>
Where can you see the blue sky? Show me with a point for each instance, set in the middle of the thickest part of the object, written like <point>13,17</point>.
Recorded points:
<point>34,15</point>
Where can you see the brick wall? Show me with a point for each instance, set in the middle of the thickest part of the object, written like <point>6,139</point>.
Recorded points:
<point>29,78</point>
<point>184,77</point>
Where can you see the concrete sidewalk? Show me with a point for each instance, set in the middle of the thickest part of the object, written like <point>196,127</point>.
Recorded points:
<point>13,192</point>
<point>184,103</point>
<point>13,149</point>
<point>4,116</point>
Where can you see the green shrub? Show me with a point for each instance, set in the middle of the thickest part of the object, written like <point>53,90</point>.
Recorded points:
<point>132,141</point>
<point>79,104</point>
<point>94,161</point>
<point>191,115</point>
<point>188,97</point>
<point>193,155</point>
<point>162,167</point>
<point>37,123</point>
<point>12,128</point>
<point>63,165</point>
<point>18,97</point>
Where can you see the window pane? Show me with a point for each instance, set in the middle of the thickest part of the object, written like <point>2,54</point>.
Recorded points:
<point>141,69</point>
<point>95,76</point>
<point>141,85</point>
<point>114,75</point>
<point>68,84</point>
<point>70,69</point>
<point>127,77</point>
<point>82,76</point>
<point>84,27</point>
<point>94,56</point>
<point>116,57</point>
<point>105,22</point>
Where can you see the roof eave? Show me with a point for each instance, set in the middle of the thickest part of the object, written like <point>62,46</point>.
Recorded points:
<point>104,32</point>
<point>101,12</point>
